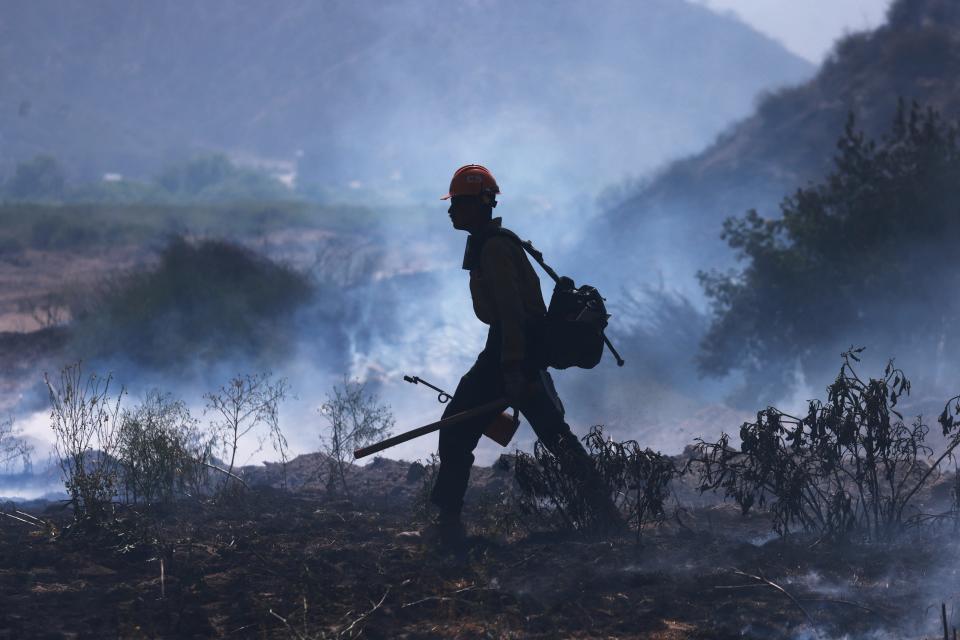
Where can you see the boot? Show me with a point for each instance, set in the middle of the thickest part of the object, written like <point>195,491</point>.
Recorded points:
<point>445,532</point>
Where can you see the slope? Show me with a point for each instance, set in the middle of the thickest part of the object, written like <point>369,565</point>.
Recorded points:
<point>387,98</point>
<point>673,222</point>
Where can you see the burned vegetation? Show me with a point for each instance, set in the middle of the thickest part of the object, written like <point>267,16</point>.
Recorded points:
<point>838,523</point>
<point>638,479</point>
<point>851,466</point>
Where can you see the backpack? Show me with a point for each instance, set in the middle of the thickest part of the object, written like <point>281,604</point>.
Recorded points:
<point>571,334</point>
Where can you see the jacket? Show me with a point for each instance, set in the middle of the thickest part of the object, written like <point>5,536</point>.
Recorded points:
<point>504,287</point>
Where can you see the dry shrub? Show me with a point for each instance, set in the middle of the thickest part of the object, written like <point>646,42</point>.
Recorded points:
<point>355,418</point>
<point>85,423</point>
<point>14,450</point>
<point>851,464</point>
<point>637,479</point>
<point>247,406</point>
<point>425,475</point>
<point>156,452</point>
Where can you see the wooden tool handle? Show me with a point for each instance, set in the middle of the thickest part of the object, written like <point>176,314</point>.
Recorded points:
<point>495,406</point>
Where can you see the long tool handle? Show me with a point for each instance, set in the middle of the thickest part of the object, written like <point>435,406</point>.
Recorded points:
<point>606,340</point>
<point>496,406</point>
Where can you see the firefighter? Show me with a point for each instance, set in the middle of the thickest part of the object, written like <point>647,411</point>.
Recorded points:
<point>506,296</point>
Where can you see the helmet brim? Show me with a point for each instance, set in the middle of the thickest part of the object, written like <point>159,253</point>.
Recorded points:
<point>450,195</point>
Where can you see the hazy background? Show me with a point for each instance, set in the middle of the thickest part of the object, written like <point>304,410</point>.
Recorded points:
<point>622,135</point>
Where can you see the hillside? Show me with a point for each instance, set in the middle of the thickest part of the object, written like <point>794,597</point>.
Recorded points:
<point>790,139</point>
<point>387,98</point>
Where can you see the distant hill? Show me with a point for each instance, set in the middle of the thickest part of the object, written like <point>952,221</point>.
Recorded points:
<point>387,95</point>
<point>672,224</point>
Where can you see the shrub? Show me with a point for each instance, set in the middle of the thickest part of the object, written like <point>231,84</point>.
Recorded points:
<point>637,479</point>
<point>248,404</point>
<point>215,177</point>
<point>355,418</point>
<point>425,475</point>
<point>161,451</point>
<point>85,423</point>
<point>39,178</point>
<point>14,450</point>
<point>851,464</point>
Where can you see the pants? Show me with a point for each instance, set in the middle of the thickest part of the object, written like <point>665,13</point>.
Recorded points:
<point>484,383</point>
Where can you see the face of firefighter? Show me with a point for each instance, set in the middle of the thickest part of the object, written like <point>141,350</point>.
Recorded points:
<point>468,213</point>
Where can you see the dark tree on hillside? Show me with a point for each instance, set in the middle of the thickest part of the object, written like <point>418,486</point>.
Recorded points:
<point>868,256</point>
<point>38,179</point>
<point>208,301</point>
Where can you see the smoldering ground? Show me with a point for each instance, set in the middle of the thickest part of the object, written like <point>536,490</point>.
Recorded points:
<point>858,591</point>
<point>393,316</point>
<point>706,572</point>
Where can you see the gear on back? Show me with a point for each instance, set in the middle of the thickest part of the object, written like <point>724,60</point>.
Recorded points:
<point>571,333</point>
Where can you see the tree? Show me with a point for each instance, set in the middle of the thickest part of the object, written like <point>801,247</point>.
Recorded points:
<point>355,418</point>
<point>215,177</point>
<point>210,300</point>
<point>39,178</point>
<point>865,256</point>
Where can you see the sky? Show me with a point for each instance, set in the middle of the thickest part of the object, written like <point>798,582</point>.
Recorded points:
<point>807,28</point>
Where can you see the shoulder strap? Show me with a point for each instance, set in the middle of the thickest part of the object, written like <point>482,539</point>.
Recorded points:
<point>529,248</point>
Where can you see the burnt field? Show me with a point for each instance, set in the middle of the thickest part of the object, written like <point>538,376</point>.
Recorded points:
<point>275,563</point>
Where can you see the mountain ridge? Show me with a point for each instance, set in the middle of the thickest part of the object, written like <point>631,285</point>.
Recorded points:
<point>392,96</point>
<point>790,139</point>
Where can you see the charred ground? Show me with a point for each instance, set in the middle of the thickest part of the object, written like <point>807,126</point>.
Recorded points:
<point>305,563</point>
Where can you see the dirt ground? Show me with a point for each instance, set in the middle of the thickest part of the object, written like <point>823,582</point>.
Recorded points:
<point>278,564</point>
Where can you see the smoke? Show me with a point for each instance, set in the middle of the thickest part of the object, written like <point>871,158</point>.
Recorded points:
<point>383,111</point>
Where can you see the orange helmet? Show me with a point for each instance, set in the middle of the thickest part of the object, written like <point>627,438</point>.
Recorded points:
<point>472,180</point>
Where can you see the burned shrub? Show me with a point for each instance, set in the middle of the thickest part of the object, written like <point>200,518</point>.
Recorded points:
<point>355,418</point>
<point>85,423</point>
<point>637,479</point>
<point>424,474</point>
<point>247,405</point>
<point>851,464</point>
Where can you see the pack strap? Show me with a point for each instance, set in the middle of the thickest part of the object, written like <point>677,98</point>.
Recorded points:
<point>534,253</point>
